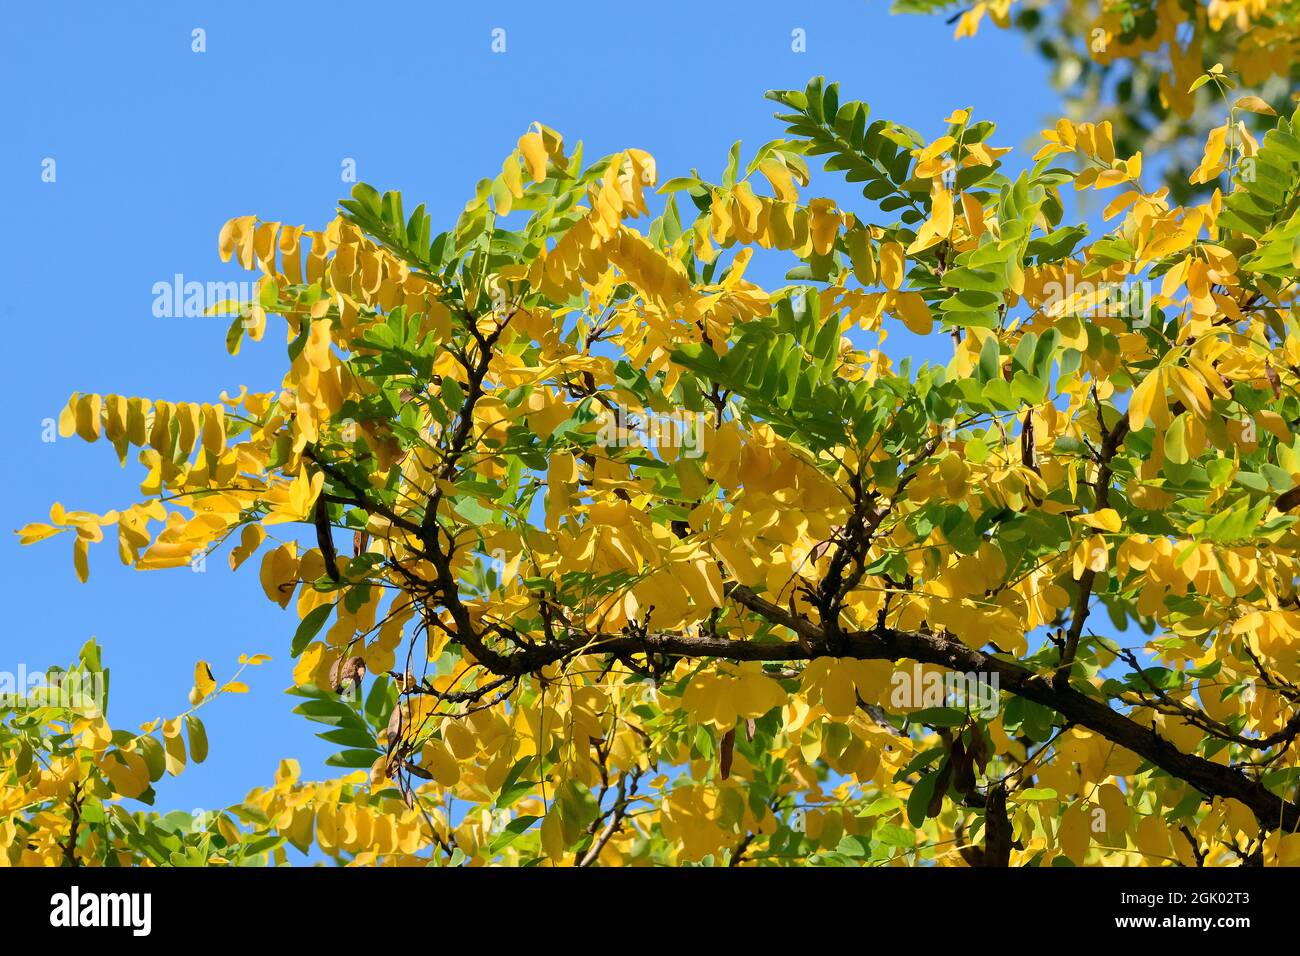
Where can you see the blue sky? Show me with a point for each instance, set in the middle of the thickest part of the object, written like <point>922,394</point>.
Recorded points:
<point>156,146</point>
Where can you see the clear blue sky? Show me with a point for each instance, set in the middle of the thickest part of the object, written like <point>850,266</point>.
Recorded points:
<point>156,146</point>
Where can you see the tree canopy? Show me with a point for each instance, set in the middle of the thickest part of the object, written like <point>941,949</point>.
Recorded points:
<point>601,553</point>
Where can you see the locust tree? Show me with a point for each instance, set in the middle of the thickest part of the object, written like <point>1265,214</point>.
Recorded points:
<point>69,774</point>
<point>579,525</point>
<point>1133,62</point>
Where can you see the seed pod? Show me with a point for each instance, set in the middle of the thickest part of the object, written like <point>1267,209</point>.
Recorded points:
<point>726,752</point>
<point>940,790</point>
<point>347,674</point>
<point>1288,500</point>
<point>1027,442</point>
<point>979,749</point>
<point>325,539</point>
<point>963,767</point>
<point>997,828</point>
<point>973,855</point>
<point>418,771</point>
<point>397,724</point>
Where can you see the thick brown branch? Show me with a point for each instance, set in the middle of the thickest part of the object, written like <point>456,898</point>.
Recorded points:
<point>362,501</point>
<point>1209,778</point>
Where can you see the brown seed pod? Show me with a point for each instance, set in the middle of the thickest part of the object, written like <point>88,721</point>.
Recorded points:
<point>347,674</point>
<point>940,790</point>
<point>997,828</point>
<point>418,771</point>
<point>397,724</point>
<point>963,767</point>
<point>973,855</point>
<point>726,752</point>
<point>325,539</point>
<point>979,749</point>
<point>1288,500</point>
<point>1027,449</point>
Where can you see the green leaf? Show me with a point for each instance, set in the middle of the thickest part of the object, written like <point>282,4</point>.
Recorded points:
<point>308,628</point>
<point>513,830</point>
<point>353,759</point>
<point>990,364</point>
<point>918,801</point>
<point>198,738</point>
<point>938,716</point>
<point>1036,793</point>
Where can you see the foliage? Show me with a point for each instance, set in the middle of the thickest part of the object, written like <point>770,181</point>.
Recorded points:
<point>1136,63</point>
<point>66,771</point>
<point>616,652</point>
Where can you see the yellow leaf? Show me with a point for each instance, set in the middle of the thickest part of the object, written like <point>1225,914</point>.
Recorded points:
<point>691,478</point>
<point>974,214</point>
<point>1143,403</point>
<point>534,153</point>
<point>214,429</point>
<point>81,558</point>
<point>1073,835</point>
<point>1212,163</point>
<point>1119,204</point>
<point>459,739</point>
<point>891,265</point>
<point>1153,837</point>
<point>87,417</point>
<point>279,573</point>
<point>250,539</point>
<point>68,419</point>
<point>510,175</point>
<point>1103,142</point>
<point>204,682</point>
<point>309,662</point>
<point>438,761</point>
<point>702,581</point>
<point>1107,519</point>
<point>939,225</point>
<point>126,771</point>
<point>754,694</point>
<point>173,747</point>
<point>839,695</point>
<point>552,833</point>
<point>1015,276</point>
<point>1254,104</point>
<point>912,309</point>
<point>780,178</point>
<point>31,533</point>
<point>317,350</point>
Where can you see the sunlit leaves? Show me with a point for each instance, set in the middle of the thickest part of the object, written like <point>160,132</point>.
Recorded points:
<point>584,529</point>
<point>68,772</point>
